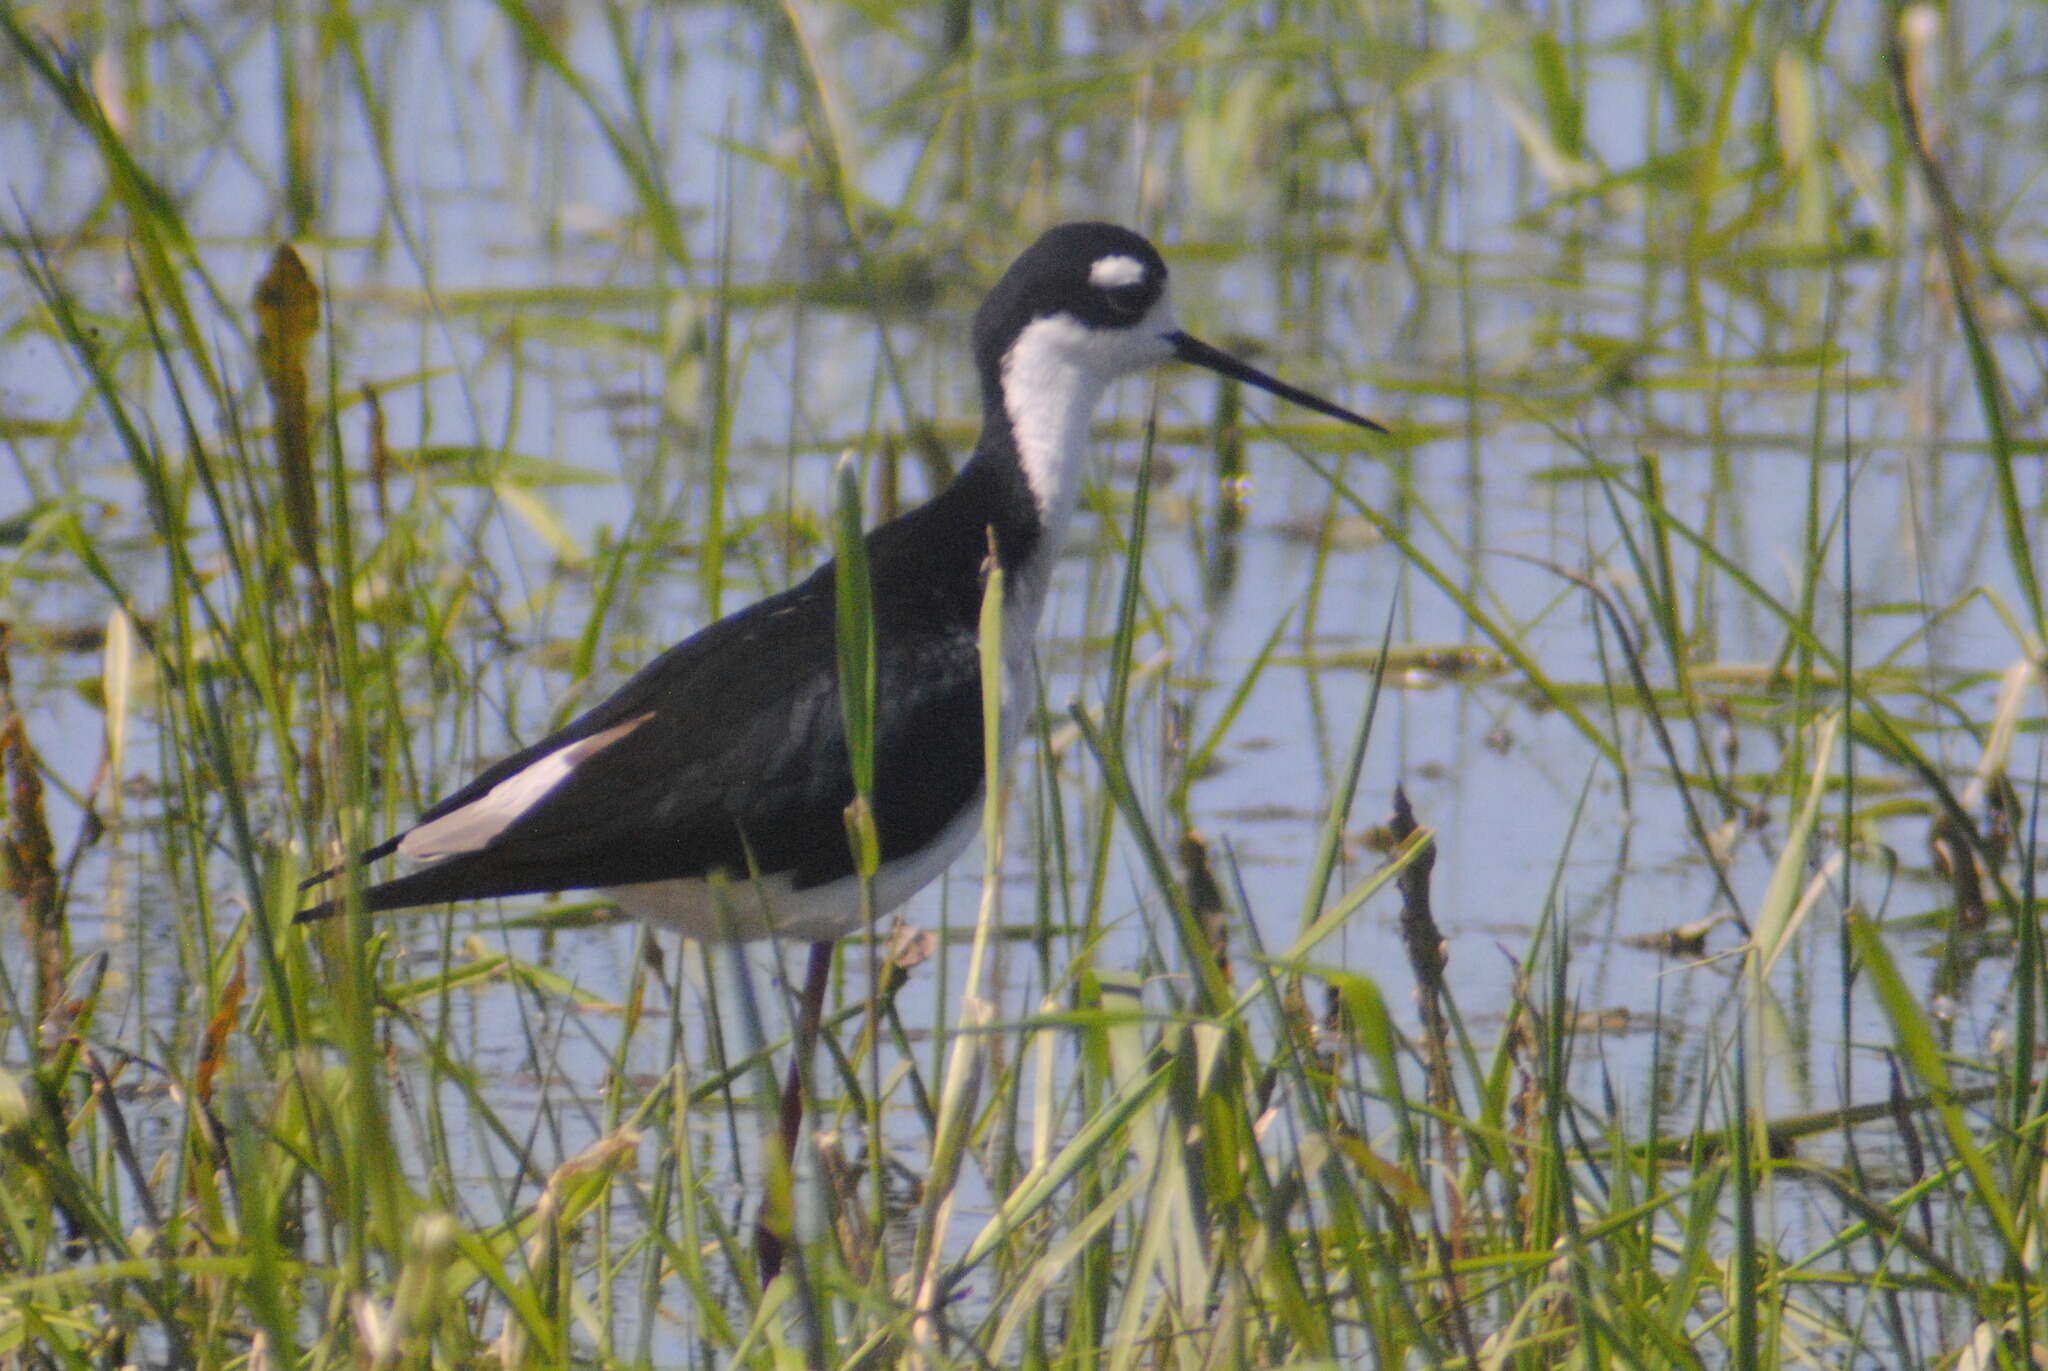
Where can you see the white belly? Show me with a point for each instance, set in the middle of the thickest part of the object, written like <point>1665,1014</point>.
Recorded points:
<point>742,911</point>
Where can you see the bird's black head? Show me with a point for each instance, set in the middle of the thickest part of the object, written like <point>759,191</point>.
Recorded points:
<point>1101,276</point>
<point>1089,300</point>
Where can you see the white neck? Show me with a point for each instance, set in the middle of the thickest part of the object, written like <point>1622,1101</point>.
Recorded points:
<point>1050,390</point>
<point>1052,376</point>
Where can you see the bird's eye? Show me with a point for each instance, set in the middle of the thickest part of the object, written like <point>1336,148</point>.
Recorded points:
<point>1126,302</point>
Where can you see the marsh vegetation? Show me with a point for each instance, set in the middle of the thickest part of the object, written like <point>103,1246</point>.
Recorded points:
<point>1687,1011</point>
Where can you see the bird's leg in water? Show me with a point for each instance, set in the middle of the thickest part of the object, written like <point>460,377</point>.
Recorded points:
<point>810,1012</point>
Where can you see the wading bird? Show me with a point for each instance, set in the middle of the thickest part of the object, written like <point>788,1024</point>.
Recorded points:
<point>708,794</point>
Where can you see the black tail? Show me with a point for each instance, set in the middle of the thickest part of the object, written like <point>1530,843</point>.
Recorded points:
<point>364,858</point>
<point>470,876</point>
<point>329,908</point>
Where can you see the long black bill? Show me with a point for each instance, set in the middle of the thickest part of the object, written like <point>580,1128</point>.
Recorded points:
<point>1192,349</point>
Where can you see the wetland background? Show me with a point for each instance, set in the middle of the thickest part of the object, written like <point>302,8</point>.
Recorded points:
<point>1694,603</point>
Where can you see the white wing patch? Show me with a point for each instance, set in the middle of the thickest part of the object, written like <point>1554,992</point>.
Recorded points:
<point>474,825</point>
<point>1116,270</point>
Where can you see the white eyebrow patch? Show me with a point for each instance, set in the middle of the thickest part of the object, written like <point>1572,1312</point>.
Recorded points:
<point>1116,270</point>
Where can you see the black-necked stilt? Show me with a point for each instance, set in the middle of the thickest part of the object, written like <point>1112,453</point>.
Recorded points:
<point>726,754</point>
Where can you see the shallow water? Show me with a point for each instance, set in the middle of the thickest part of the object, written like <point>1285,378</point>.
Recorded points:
<point>491,268</point>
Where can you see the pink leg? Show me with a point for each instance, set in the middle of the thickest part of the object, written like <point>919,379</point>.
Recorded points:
<point>810,1011</point>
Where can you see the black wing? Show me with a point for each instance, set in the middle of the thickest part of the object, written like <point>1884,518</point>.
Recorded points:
<point>731,755</point>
